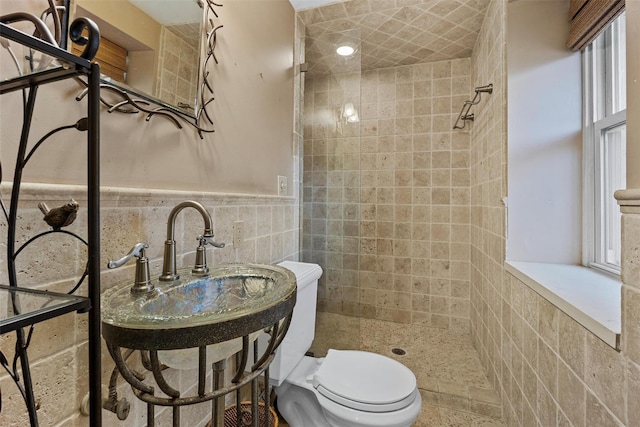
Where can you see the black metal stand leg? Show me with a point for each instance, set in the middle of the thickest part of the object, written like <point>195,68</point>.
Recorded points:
<point>95,369</point>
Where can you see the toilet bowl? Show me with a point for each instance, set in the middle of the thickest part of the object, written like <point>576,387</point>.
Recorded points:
<point>347,388</point>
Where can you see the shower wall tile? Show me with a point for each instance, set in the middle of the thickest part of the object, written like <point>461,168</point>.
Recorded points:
<point>409,196</point>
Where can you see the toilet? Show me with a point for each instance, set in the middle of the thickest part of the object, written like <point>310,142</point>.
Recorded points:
<point>344,389</point>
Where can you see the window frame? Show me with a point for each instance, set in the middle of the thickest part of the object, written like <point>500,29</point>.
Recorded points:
<point>597,102</point>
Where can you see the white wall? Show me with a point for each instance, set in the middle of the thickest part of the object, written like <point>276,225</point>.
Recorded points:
<point>544,133</point>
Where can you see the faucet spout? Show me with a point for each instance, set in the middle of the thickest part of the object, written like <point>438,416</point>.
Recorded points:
<point>169,270</point>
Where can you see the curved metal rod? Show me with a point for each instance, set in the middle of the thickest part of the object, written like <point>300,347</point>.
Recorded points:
<point>44,233</point>
<point>164,111</point>
<point>5,44</point>
<point>13,372</point>
<point>81,125</point>
<point>104,102</point>
<point>145,360</point>
<point>127,373</point>
<point>57,26</point>
<point>91,43</point>
<point>243,361</point>
<point>277,335</point>
<point>181,401</point>
<point>113,380</point>
<point>210,44</point>
<point>157,375</point>
<point>270,348</point>
<point>136,103</point>
<point>42,31</point>
<point>85,273</point>
<point>116,107</point>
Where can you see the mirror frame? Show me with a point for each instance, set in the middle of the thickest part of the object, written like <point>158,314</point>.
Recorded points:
<point>134,102</point>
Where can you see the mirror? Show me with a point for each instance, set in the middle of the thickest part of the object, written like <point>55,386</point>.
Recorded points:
<point>150,48</point>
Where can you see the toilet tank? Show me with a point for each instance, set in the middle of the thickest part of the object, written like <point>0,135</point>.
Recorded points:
<point>303,323</point>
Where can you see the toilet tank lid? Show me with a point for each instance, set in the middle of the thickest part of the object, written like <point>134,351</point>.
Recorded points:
<point>306,273</point>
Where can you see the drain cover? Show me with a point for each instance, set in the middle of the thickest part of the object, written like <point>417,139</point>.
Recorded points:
<point>398,351</point>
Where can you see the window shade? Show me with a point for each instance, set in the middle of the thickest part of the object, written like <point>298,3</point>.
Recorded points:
<point>588,18</point>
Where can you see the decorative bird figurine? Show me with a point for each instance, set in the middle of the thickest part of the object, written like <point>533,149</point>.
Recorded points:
<point>61,216</point>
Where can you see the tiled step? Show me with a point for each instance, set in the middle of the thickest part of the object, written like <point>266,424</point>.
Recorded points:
<point>460,397</point>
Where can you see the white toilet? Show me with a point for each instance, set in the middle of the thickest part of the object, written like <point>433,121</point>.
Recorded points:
<point>344,389</point>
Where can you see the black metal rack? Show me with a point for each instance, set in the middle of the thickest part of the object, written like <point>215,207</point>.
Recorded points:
<point>48,304</point>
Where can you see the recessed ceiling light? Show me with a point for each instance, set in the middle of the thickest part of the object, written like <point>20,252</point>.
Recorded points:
<point>345,50</point>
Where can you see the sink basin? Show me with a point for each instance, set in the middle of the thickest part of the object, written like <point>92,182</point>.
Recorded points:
<point>234,300</point>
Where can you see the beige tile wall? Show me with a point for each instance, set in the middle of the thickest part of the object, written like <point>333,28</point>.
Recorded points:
<point>386,202</point>
<point>58,349</point>
<point>178,63</point>
<point>549,370</point>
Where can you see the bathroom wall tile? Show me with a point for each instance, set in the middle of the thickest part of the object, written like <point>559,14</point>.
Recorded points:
<point>630,323</point>
<point>571,395</point>
<point>598,415</point>
<point>633,391</point>
<point>572,339</point>
<point>631,249</point>
<point>605,369</point>
<point>546,406</point>
<point>548,323</point>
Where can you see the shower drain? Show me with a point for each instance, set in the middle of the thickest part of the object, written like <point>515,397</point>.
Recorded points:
<point>398,351</point>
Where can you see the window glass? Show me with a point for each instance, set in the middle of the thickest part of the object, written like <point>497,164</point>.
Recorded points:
<point>605,141</point>
<point>614,177</point>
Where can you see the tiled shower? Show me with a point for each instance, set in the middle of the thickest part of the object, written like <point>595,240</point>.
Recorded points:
<point>386,199</point>
<point>386,204</point>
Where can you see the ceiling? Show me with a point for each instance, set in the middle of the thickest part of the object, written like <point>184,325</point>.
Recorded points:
<point>388,33</point>
<point>167,12</point>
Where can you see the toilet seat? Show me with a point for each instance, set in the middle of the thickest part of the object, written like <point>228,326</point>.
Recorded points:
<point>365,381</point>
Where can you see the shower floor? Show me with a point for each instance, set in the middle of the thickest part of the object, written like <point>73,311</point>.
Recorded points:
<point>454,387</point>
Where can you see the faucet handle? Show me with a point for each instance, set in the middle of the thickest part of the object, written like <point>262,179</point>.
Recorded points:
<point>142,283</point>
<point>208,240</point>
<point>136,251</point>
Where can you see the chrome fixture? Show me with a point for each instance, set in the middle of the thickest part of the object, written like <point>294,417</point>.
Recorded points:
<point>169,271</point>
<point>464,115</point>
<point>142,283</point>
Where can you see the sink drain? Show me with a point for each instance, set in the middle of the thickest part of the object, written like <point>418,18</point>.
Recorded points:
<point>398,351</point>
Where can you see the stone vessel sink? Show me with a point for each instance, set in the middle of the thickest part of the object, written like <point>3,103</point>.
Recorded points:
<point>234,300</point>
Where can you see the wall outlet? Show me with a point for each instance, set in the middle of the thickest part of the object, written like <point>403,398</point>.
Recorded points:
<point>282,186</point>
<point>238,234</point>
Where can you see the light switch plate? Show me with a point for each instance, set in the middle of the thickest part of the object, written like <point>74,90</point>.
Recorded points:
<point>282,186</point>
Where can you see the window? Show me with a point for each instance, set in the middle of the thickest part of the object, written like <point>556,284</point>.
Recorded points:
<point>604,145</point>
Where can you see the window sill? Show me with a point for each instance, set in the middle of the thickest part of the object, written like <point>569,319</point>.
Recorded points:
<point>589,297</point>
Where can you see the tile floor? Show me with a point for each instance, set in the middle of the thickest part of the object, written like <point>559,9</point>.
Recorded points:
<point>455,390</point>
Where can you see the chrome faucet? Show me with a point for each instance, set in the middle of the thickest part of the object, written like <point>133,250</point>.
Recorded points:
<point>169,271</point>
